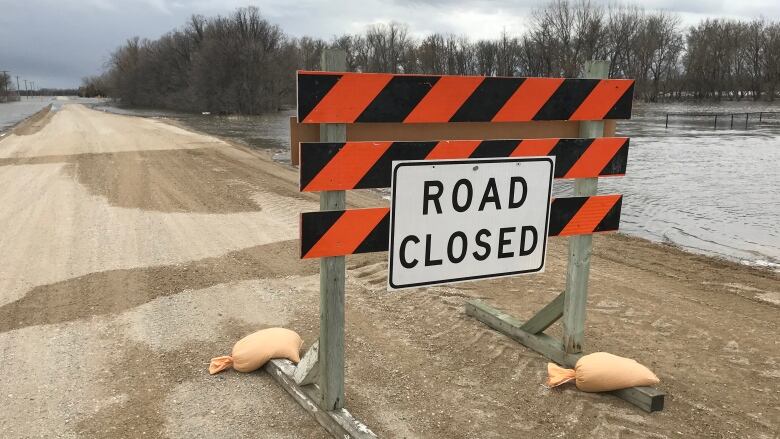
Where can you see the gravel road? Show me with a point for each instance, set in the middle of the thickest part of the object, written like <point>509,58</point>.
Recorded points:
<point>132,251</point>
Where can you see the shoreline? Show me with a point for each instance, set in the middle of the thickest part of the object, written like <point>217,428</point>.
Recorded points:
<point>24,125</point>
<point>33,123</point>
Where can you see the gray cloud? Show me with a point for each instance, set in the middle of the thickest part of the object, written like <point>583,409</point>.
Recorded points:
<point>56,42</point>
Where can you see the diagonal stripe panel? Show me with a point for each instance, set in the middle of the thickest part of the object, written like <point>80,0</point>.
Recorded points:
<point>453,149</point>
<point>379,173</point>
<point>590,215</point>
<point>567,154</point>
<point>534,147</point>
<point>311,90</point>
<point>623,105</point>
<point>447,95</point>
<point>348,98</point>
<point>312,228</point>
<point>399,97</point>
<point>318,156</point>
<point>528,99</point>
<point>344,232</point>
<point>595,157</point>
<point>603,97</point>
<point>325,97</point>
<point>377,237</point>
<point>566,99</point>
<point>617,165</point>
<point>366,165</point>
<point>562,210</point>
<point>611,220</point>
<point>487,100</point>
<point>349,165</point>
<point>494,148</point>
<point>345,235</point>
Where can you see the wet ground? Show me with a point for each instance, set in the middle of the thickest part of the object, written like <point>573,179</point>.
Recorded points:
<point>708,191</point>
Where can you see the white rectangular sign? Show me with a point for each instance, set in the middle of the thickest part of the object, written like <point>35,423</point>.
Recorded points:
<point>459,220</point>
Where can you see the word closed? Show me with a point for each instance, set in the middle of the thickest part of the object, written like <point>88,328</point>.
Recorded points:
<point>459,220</point>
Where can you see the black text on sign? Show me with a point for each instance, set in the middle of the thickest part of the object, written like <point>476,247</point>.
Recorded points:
<point>459,220</point>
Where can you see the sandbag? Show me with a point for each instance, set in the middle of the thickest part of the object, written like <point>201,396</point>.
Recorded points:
<point>602,372</point>
<point>253,351</point>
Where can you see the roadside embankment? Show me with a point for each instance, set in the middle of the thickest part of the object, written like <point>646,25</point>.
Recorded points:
<point>34,123</point>
<point>14,113</point>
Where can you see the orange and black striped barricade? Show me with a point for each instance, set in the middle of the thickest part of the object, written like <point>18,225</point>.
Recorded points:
<point>330,166</point>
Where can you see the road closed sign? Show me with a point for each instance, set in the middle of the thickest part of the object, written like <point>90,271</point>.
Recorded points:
<point>459,220</point>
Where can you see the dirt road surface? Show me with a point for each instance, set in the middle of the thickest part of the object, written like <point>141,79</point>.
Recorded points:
<point>132,251</point>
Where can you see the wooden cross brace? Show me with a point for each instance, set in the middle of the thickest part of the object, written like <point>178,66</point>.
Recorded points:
<point>571,304</point>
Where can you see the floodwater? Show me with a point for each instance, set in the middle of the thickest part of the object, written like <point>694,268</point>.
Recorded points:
<point>269,131</point>
<point>710,191</point>
<point>12,113</point>
<point>715,192</point>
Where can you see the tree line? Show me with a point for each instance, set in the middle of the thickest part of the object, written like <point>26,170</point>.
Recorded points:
<point>242,63</point>
<point>5,88</point>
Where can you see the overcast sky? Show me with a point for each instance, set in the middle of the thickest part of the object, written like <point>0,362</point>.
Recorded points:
<point>56,42</point>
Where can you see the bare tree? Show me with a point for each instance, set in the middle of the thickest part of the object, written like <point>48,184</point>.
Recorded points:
<point>386,45</point>
<point>572,33</point>
<point>507,51</point>
<point>622,25</point>
<point>659,44</point>
<point>242,63</point>
<point>753,54</point>
<point>772,60</point>
<point>485,53</point>
<point>431,54</point>
<point>309,52</point>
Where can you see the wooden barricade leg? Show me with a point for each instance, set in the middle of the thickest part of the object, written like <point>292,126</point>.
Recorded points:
<point>317,382</point>
<point>339,423</point>
<point>331,352</point>
<point>648,399</point>
<point>571,304</point>
<point>332,274</point>
<point>580,247</point>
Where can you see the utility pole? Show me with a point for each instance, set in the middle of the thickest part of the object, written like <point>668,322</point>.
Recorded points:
<point>18,92</point>
<point>26,90</point>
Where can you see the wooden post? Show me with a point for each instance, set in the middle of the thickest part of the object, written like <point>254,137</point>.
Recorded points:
<point>747,115</point>
<point>732,121</point>
<point>667,120</point>
<point>576,295</point>
<point>332,273</point>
